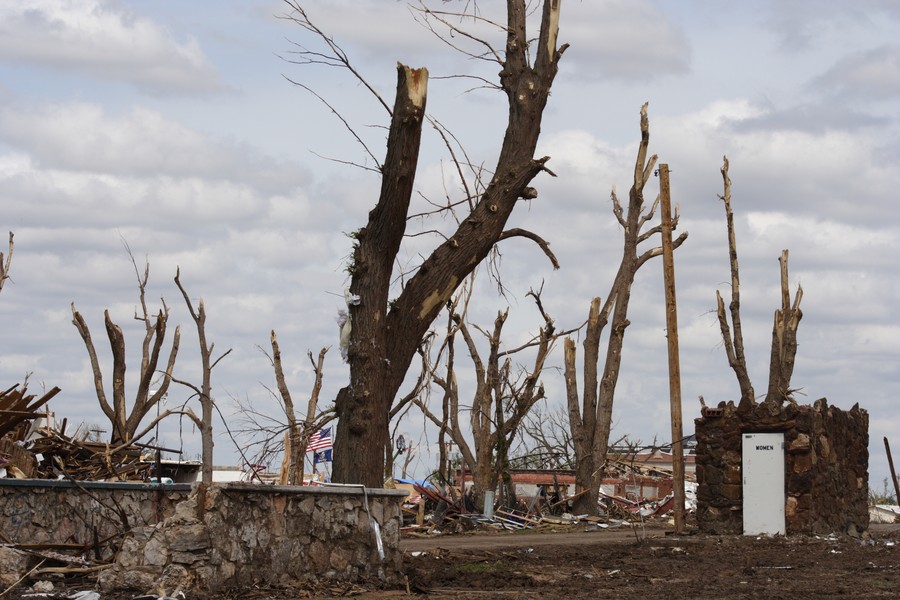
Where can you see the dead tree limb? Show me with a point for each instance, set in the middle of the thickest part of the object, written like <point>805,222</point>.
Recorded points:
<point>734,346</point>
<point>784,330</point>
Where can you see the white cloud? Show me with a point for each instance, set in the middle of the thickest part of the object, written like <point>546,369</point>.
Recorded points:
<point>840,244</point>
<point>872,74</point>
<point>630,40</point>
<point>803,25</point>
<point>83,137</point>
<point>104,40</point>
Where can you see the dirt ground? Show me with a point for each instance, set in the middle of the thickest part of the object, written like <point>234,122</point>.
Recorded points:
<point>625,563</point>
<point>651,564</point>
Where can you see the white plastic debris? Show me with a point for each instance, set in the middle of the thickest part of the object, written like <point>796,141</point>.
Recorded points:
<point>84,595</point>
<point>378,542</point>
<point>43,586</point>
<point>351,299</point>
<point>343,321</point>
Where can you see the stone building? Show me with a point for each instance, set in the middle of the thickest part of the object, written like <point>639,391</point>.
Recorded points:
<point>825,466</point>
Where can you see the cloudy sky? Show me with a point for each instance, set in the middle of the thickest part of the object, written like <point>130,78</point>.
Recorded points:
<point>172,126</point>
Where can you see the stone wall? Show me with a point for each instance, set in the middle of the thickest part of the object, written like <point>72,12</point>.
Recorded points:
<point>826,470</point>
<point>40,511</point>
<point>223,535</point>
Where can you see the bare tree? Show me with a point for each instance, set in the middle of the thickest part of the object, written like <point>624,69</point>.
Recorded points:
<point>546,441</point>
<point>383,338</point>
<point>204,392</point>
<point>6,262</point>
<point>125,422</point>
<point>298,434</point>
<point>784,330</point>
<point>592,419</point>
<point>271,435</point>
<point>503,397</point>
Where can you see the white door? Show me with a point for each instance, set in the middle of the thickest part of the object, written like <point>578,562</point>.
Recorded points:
<point>763,476</point>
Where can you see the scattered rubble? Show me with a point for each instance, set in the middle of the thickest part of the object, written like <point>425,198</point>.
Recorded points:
<point>18,411</point>
<point>32,447</point>
<point>430,510</point>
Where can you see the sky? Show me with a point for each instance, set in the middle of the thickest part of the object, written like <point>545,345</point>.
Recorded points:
<point>173,127</point>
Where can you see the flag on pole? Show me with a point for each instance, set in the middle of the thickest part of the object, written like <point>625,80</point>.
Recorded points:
<point>322,456</point>
<point>321,440</point>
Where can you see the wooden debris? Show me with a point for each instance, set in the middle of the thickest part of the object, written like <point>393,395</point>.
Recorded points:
<point>83,460</point>
<point>16,407</point>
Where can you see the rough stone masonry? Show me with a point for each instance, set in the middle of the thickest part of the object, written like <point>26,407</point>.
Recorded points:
<point>826,470</point>
<point>217,536</point>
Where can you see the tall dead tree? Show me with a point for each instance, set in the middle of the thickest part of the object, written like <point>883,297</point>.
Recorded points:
<point>204,391</point>
<point>591,420</point>
<point>125,421</point>
<point>734,345</point>
<point>383,339</point>
<point>502,398</point>
<point>784,330</point>
<point>6,262</point>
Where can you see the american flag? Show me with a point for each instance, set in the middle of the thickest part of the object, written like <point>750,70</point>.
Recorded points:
<point>321,440</point>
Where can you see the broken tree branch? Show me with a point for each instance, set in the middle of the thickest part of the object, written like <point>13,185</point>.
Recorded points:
<point>517,232</point>
<point>5,263</point>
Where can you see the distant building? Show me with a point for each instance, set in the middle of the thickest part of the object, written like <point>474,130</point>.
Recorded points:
<point>535,482</point>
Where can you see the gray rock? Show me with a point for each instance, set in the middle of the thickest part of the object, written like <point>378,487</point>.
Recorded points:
<point>188,538</point>
<point>136,579</point>
<point>13,565</point>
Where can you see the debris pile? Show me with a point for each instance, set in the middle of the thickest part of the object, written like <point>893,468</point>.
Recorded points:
<point>433,509</point>
<point>18,412</point>
<point>74,458</point>
<point>32,447</point>
<point>16,407</point>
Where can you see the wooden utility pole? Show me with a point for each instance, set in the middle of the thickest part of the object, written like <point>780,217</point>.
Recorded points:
<point>887,448</point>
<point>672,336</point>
